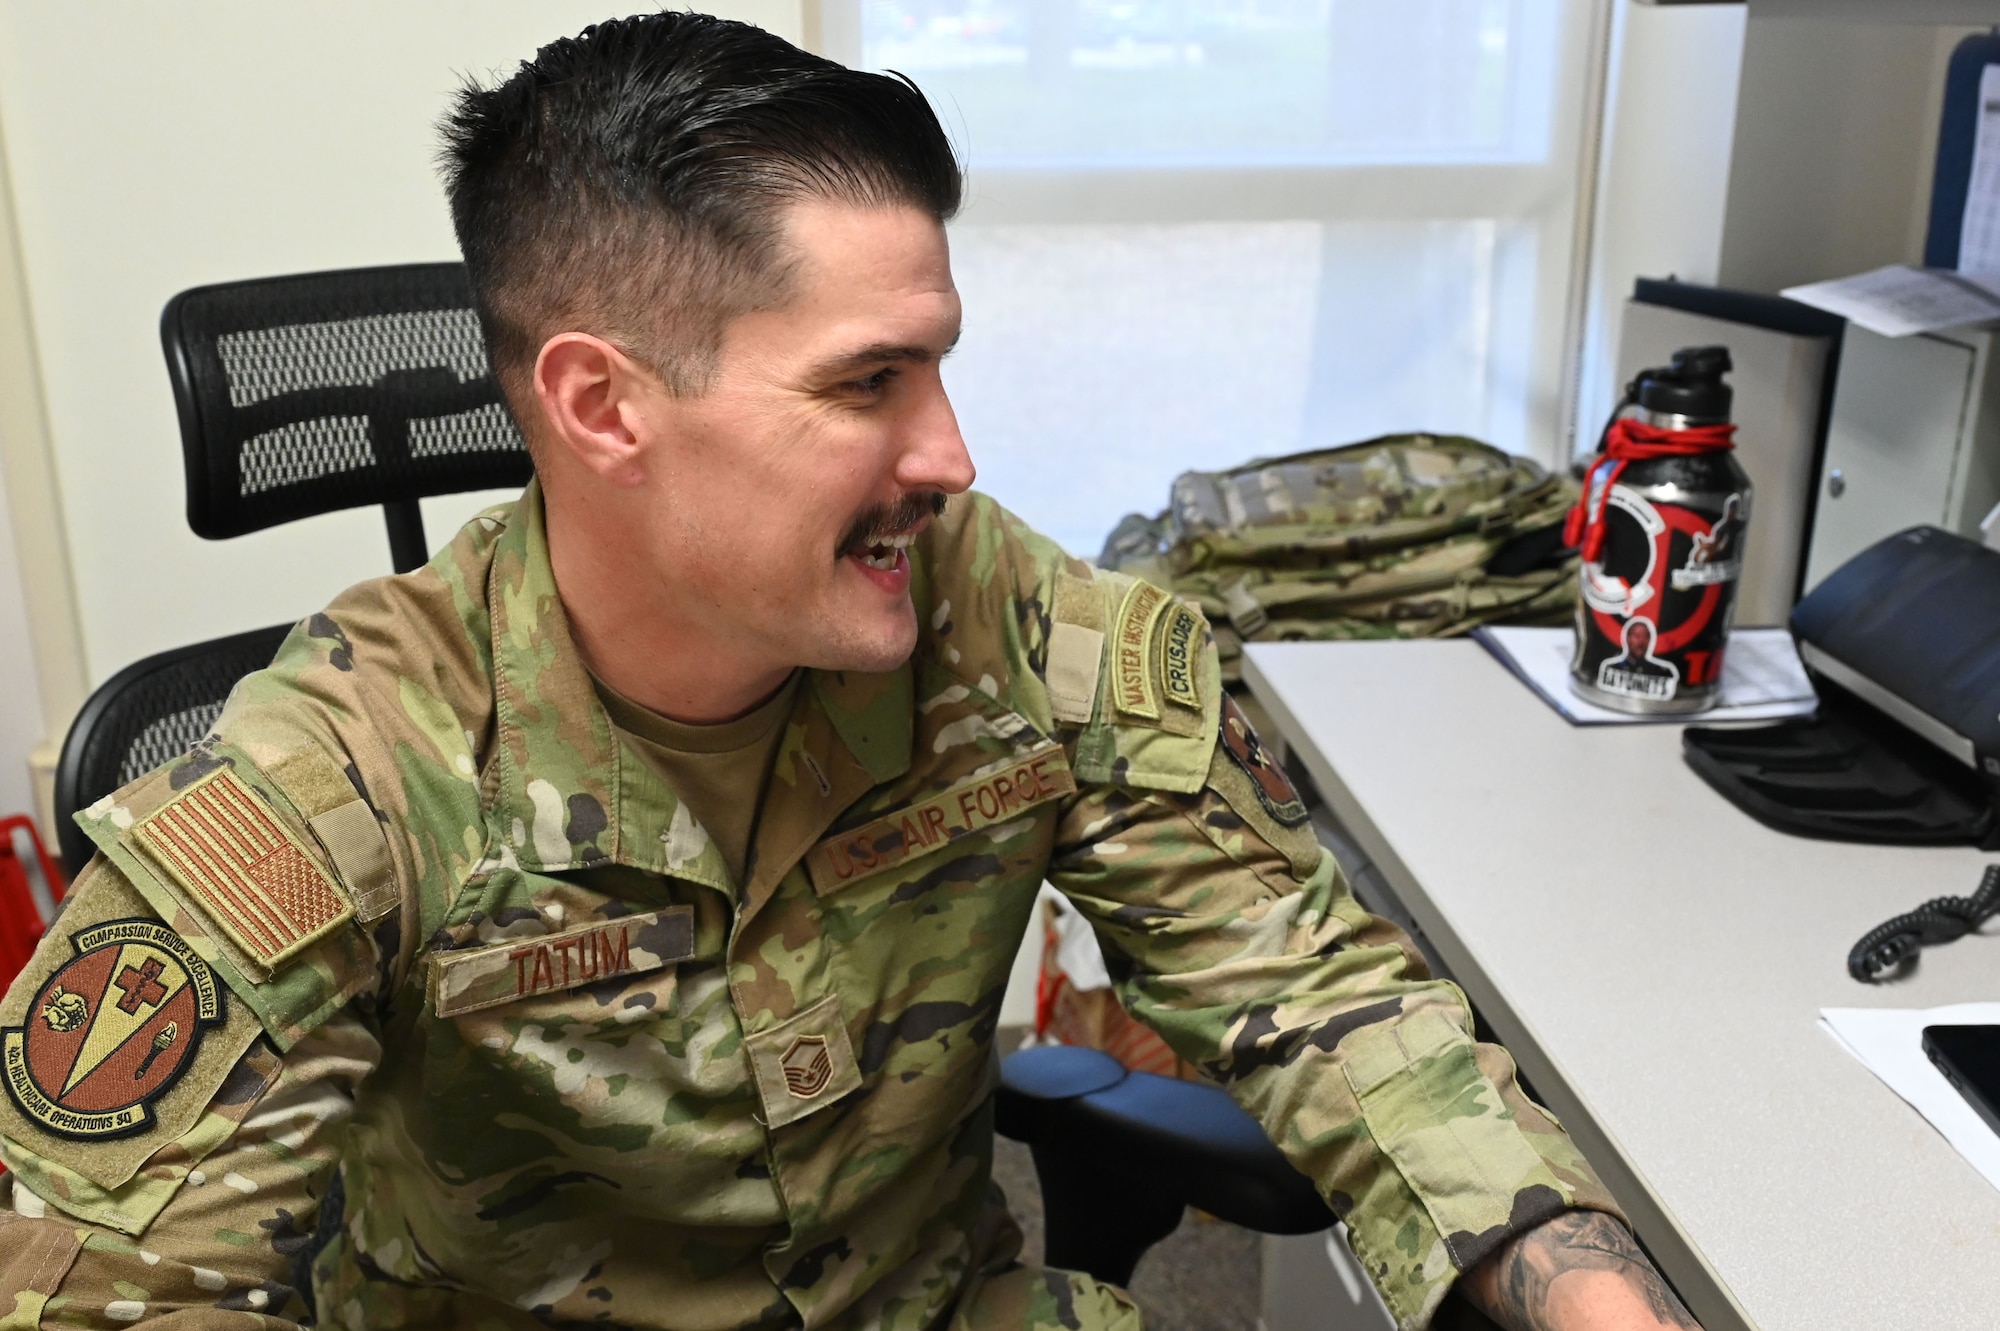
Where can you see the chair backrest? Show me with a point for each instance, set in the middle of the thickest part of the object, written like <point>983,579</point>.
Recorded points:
<point>303,395</point>
<point>144,715</point>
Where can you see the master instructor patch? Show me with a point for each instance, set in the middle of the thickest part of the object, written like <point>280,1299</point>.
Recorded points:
<point>112,1030</point>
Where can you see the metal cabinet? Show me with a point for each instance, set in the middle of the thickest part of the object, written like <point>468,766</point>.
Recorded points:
<point>1313,1283</point>
<point>1914,438</point>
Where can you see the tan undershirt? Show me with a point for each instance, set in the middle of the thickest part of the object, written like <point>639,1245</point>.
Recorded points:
<point>718,771</point>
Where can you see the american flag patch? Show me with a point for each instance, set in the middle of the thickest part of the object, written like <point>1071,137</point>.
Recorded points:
<point>244,869</point>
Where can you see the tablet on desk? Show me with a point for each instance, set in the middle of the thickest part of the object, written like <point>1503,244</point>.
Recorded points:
<point>1969,1058</point>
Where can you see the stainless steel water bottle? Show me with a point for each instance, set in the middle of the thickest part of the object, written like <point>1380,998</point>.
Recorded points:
<point>1661,527</point>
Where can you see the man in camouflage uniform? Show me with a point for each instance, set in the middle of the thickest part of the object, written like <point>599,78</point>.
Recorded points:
<point>608,923</point>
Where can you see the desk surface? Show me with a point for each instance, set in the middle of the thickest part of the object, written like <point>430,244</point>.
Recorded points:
<point>1657,961</point>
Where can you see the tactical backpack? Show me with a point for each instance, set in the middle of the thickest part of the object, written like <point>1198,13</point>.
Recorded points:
<point>1405,536</point>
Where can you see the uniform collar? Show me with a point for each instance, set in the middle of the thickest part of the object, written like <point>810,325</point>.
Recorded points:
<point>568,794</point>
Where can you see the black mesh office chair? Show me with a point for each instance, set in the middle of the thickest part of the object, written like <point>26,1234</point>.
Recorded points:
<point>297,396</point>
<point>303,395</point>
<point>145,714</point>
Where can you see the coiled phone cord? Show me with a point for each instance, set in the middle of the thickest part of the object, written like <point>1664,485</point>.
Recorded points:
<point>1939,920</point>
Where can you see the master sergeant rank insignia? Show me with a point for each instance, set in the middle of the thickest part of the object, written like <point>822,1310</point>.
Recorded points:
<point>111,1031</point>
<point>803,1064</point>
<point>807,1066</point>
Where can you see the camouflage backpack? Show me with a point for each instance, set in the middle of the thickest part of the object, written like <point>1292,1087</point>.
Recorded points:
<point>1406,536</point>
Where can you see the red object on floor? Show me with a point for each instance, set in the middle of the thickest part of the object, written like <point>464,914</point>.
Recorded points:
<point>1093,1018</point>
<point>21,923</point>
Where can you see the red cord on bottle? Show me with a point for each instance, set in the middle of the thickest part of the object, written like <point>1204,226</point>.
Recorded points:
<point>1631,440</point>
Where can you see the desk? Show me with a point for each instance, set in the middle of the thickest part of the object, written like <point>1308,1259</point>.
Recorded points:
<point>1656,962</point>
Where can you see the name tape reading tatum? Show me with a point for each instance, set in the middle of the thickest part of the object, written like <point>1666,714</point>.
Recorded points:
<point>968,807</point>
<point>484,977</point>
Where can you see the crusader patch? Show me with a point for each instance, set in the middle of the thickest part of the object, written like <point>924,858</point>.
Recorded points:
<point>111,1031</point>
<point>1180,644</point>
<point>1274,789</point>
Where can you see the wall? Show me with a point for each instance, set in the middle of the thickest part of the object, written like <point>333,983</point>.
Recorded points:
<point>1835,137</point>
<point>157,147</point>
<point>41,650</point>
<point>1665,174</point>
<point>1757,153</point>
<point>21,724</point>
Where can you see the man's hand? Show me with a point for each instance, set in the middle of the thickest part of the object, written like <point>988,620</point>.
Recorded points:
<point>1579,1270</point>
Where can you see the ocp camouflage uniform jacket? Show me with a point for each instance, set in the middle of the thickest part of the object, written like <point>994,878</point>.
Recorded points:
<point>572,1072</point>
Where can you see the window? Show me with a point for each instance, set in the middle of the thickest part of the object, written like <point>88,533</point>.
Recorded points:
<point>1199,231</point>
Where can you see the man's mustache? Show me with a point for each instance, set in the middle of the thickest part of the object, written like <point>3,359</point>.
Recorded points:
<point>885,520</point>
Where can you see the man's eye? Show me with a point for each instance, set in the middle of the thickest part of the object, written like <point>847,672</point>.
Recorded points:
<point>874,383</point>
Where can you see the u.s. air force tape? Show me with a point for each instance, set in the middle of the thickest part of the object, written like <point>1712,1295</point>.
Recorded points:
<point>971,806</point>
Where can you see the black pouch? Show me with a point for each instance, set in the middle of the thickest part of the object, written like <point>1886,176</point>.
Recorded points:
<point>1846,774</point>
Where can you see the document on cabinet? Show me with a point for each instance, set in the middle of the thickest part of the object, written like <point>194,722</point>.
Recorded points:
<point>1899,300</point>
<point>1762,677</point>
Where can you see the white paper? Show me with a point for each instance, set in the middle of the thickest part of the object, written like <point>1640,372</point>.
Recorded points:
<point>1979,228</point>
<point>1899,300</point>
<point>1762,678</point>
<point>1890,1043</point>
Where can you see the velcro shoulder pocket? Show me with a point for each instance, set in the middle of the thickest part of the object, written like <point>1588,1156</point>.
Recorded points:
<point>1443,1123</point>
<point>1156,704</point>
<point>229,860</point>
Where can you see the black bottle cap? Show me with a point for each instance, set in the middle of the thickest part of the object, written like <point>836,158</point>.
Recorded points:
<point>1692,386</point>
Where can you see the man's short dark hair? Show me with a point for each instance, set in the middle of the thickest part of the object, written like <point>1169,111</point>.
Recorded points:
<point>630,182</point>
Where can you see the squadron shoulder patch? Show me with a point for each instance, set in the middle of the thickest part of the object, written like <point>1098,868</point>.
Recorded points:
<point>243,868</point>
<point>1274,790</point>
<point>111,1030</point>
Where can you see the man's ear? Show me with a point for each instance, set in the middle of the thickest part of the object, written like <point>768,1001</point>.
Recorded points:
<point>591,394</point>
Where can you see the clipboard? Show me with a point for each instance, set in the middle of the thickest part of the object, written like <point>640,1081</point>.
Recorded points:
<point>1958,139</point>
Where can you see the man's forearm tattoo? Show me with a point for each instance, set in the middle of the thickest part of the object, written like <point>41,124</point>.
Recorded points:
<point>1515,1292</point>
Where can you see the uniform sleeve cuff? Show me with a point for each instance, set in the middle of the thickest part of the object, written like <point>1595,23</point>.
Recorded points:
<point>1483,1168</point>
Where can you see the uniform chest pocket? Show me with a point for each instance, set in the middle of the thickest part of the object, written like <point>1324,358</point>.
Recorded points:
<point>611,1051</point>
<point>566,1025</point>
